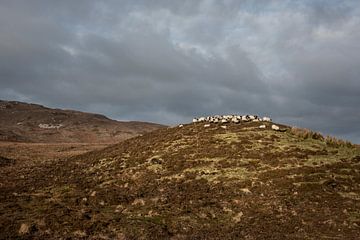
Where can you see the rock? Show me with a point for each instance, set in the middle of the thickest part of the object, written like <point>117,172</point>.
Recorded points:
<point>237,217</point>
<point>207,125</point>
<point>245,190</point>
<point>139,202</point>
<point>223,127</point>
<point>93,194</point>
<point>262,126</point>
<point>80,233</point>
<point>120,236</point>
<point>275,127</point>
<point>24,229</point>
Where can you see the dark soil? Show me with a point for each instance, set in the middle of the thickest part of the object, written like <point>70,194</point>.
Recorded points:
<point>6,161</point>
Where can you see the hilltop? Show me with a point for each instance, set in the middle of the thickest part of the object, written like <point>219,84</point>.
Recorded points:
<point>191,182</point>
<point>24,122</point>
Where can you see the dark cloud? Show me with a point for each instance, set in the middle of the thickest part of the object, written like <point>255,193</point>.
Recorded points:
<point>163,61</point>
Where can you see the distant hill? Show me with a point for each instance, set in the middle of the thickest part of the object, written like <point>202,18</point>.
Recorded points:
<point>192,182</point>
<point>24,122</point>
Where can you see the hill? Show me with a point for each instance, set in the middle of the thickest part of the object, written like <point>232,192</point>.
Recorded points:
<point>191,182</point>
<point>23,122</point>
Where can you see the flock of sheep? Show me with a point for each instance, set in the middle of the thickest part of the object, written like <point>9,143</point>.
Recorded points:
<point>224,119</point>
<point>231,118</point>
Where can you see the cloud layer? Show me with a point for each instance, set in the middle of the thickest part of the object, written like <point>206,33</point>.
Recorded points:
<point>167,61</point>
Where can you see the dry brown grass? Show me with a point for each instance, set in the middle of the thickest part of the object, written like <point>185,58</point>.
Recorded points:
<point>304,133</point>
<point>190,183</point>
<point>335,142</point>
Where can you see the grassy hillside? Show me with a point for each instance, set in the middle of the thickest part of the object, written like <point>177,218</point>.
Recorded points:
<point>191,183</point>
<point>24,122</point>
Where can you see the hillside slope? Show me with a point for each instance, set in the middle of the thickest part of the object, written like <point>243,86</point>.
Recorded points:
<point>23,122</point>
<point>192,182</point>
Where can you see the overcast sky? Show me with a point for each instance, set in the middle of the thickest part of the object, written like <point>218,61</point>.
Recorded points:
<point>168,61</point>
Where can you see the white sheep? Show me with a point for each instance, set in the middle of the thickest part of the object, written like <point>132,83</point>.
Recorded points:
<point>266,119</point>
<point>262,126</point>
<point>234,120</point>
<point>202,119</point>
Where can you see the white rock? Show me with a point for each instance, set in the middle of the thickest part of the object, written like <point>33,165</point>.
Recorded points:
<point>275,127</point>
<point>207,125</point>
<point>50,126</point>
<point>237,217</point>
<point>24,229</point>
<point>245,190</point>
<point>224,127</point>
<point>262,126</point>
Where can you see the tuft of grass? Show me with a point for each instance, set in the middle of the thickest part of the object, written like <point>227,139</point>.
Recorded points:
<point>330,141</point>
<point>306,133</point>
<point>335,142</point>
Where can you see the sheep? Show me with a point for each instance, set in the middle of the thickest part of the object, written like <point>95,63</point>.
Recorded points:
<point>180,126</point>
<point>224,121</point>
<point>202,119</point>
<point>266,119</point>
<point>234,120</point>
<point>262,126</point>
<point>231,119</point>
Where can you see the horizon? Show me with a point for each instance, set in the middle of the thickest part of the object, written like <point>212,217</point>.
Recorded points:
<point>167,62</point>
<point>177,123</point>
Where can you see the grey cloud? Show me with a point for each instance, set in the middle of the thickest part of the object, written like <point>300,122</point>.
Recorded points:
<point>168,61</point>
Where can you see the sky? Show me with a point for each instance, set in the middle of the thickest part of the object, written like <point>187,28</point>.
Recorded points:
<point>297,61</point>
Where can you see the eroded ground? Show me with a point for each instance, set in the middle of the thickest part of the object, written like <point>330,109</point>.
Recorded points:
<point>190,183</point>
